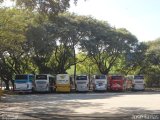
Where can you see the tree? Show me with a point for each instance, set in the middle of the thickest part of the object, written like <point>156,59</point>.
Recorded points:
<point>41,43</point>
<point>135,61</point>
<point>56,40</point>
<point>45,6</point>
<point>105,44</point>
<point>61,59</point>
<point>87,66</point>
<point>71,33</point>
<point>13,58</point>
<point>152,68</point>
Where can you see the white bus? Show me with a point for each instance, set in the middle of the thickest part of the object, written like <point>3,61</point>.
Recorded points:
<point>138,82</point>
<point>99,82</point>
<point>24,83</point>
<point>82,83</point>
<point>45,83</point>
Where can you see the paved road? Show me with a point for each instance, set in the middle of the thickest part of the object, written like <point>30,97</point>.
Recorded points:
<point>82,106</point>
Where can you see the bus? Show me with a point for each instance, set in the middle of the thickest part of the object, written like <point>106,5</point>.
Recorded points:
<point>99,82</point>
<point>82,83</point>
<point>24,83</point>
<point>45,83</point>
<point>138,82</point>
<point>63,83</point>
<point>116,83</point>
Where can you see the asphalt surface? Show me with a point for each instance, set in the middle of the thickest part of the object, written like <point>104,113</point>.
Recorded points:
<point>82,106</point>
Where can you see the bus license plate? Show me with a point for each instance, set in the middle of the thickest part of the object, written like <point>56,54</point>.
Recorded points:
<point>100,84</point>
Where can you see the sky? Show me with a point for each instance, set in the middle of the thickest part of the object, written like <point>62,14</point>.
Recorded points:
<point>140,17</point>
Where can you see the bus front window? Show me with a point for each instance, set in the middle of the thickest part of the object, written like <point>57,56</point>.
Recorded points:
<point>117,78</point>
<point>81,78</point>
<point>100,77</point>
<point>41,77</point>
<point>21,77</point>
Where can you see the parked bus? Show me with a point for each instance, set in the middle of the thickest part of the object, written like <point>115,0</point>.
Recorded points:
<point>45,83</point>
<point>24,83</point>
<point>82,83</point>
<point>138,82</point>
<point>99,82</point>
<point>116,83</point>
<point>63,83</point>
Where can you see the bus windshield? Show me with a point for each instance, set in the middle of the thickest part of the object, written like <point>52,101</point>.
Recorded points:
<point>100,77</point>
<point>81,78</point>
<point>41,77</point>
<point>21,77</point>
<point>116,77</point>
<point>138,77</point>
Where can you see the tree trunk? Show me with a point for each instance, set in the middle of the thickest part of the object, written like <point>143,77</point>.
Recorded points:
<point>12,81</point>
<point>74,55</point>
<point>7,84</point>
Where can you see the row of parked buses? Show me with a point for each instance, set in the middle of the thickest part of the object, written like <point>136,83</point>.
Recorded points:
<point>65,83</point>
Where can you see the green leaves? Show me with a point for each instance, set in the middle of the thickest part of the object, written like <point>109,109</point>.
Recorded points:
<point>31,42</point>
<point>45,6</point>
<point>13,57</point>
<point>105,45</point>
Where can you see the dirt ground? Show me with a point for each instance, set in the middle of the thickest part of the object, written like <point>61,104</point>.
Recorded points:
<point>82,106</point>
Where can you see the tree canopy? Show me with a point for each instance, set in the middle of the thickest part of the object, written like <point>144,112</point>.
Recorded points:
<point>41,37</point>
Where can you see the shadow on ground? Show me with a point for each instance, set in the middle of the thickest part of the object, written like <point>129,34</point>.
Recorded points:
<point>68,96</point>
<point>62,106</point>
<point>95,116</point>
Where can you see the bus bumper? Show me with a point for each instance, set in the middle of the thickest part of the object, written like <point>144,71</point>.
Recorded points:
<point>23,91</point>
<point>62,88</point>
<point>100,88</point>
